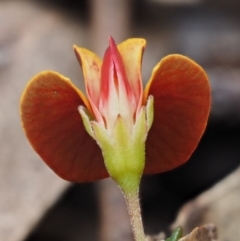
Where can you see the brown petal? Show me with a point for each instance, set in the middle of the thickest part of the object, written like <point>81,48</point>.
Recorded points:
<point>181,107</point>
<point>53,125</point>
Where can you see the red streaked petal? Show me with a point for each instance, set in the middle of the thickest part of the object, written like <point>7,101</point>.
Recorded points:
<point>181,107</point>
<point>53,125</point>
<point>113,64</point>
<point>119,67</point>
<point>131,51</point>
<point>116,96</point>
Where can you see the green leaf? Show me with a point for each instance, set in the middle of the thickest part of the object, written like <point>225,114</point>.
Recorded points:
<point>176,235</point>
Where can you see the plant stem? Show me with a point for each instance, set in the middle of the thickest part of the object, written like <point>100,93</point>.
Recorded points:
<point>134,210</point>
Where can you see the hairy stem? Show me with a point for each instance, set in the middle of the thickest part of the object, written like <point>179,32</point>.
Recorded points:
<point>134,210</point>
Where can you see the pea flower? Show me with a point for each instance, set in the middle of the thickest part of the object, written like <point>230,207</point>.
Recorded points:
<point>119,129</point>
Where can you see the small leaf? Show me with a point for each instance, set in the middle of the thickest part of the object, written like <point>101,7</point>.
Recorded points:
<point>176,235</point>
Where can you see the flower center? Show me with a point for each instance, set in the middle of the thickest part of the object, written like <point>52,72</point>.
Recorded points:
<point>117,97</point>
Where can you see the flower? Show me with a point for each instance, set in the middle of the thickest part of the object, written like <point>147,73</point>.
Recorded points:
<point>68,130</point>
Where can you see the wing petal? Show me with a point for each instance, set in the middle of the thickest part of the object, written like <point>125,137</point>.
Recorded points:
<point>181,107</point>
<point>53,125</point>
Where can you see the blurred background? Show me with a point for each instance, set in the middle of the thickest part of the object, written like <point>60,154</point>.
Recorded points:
<point>35,204</point>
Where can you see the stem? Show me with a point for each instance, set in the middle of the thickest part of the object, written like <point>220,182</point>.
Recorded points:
<point>134,210</point>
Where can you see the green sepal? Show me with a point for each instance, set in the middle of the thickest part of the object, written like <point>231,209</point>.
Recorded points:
<point>176,235</point>
<point>86,118</point>
<point>149,112</point>
<point>123,151</point>
<point>123,148</point>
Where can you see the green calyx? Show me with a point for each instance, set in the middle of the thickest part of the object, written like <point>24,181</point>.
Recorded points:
<point>123,149</point>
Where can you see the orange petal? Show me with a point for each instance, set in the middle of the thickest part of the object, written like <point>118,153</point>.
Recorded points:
<point>53,125</point>
<point>91,67</point>
<point>181,107</point>
<point>131,51</point>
